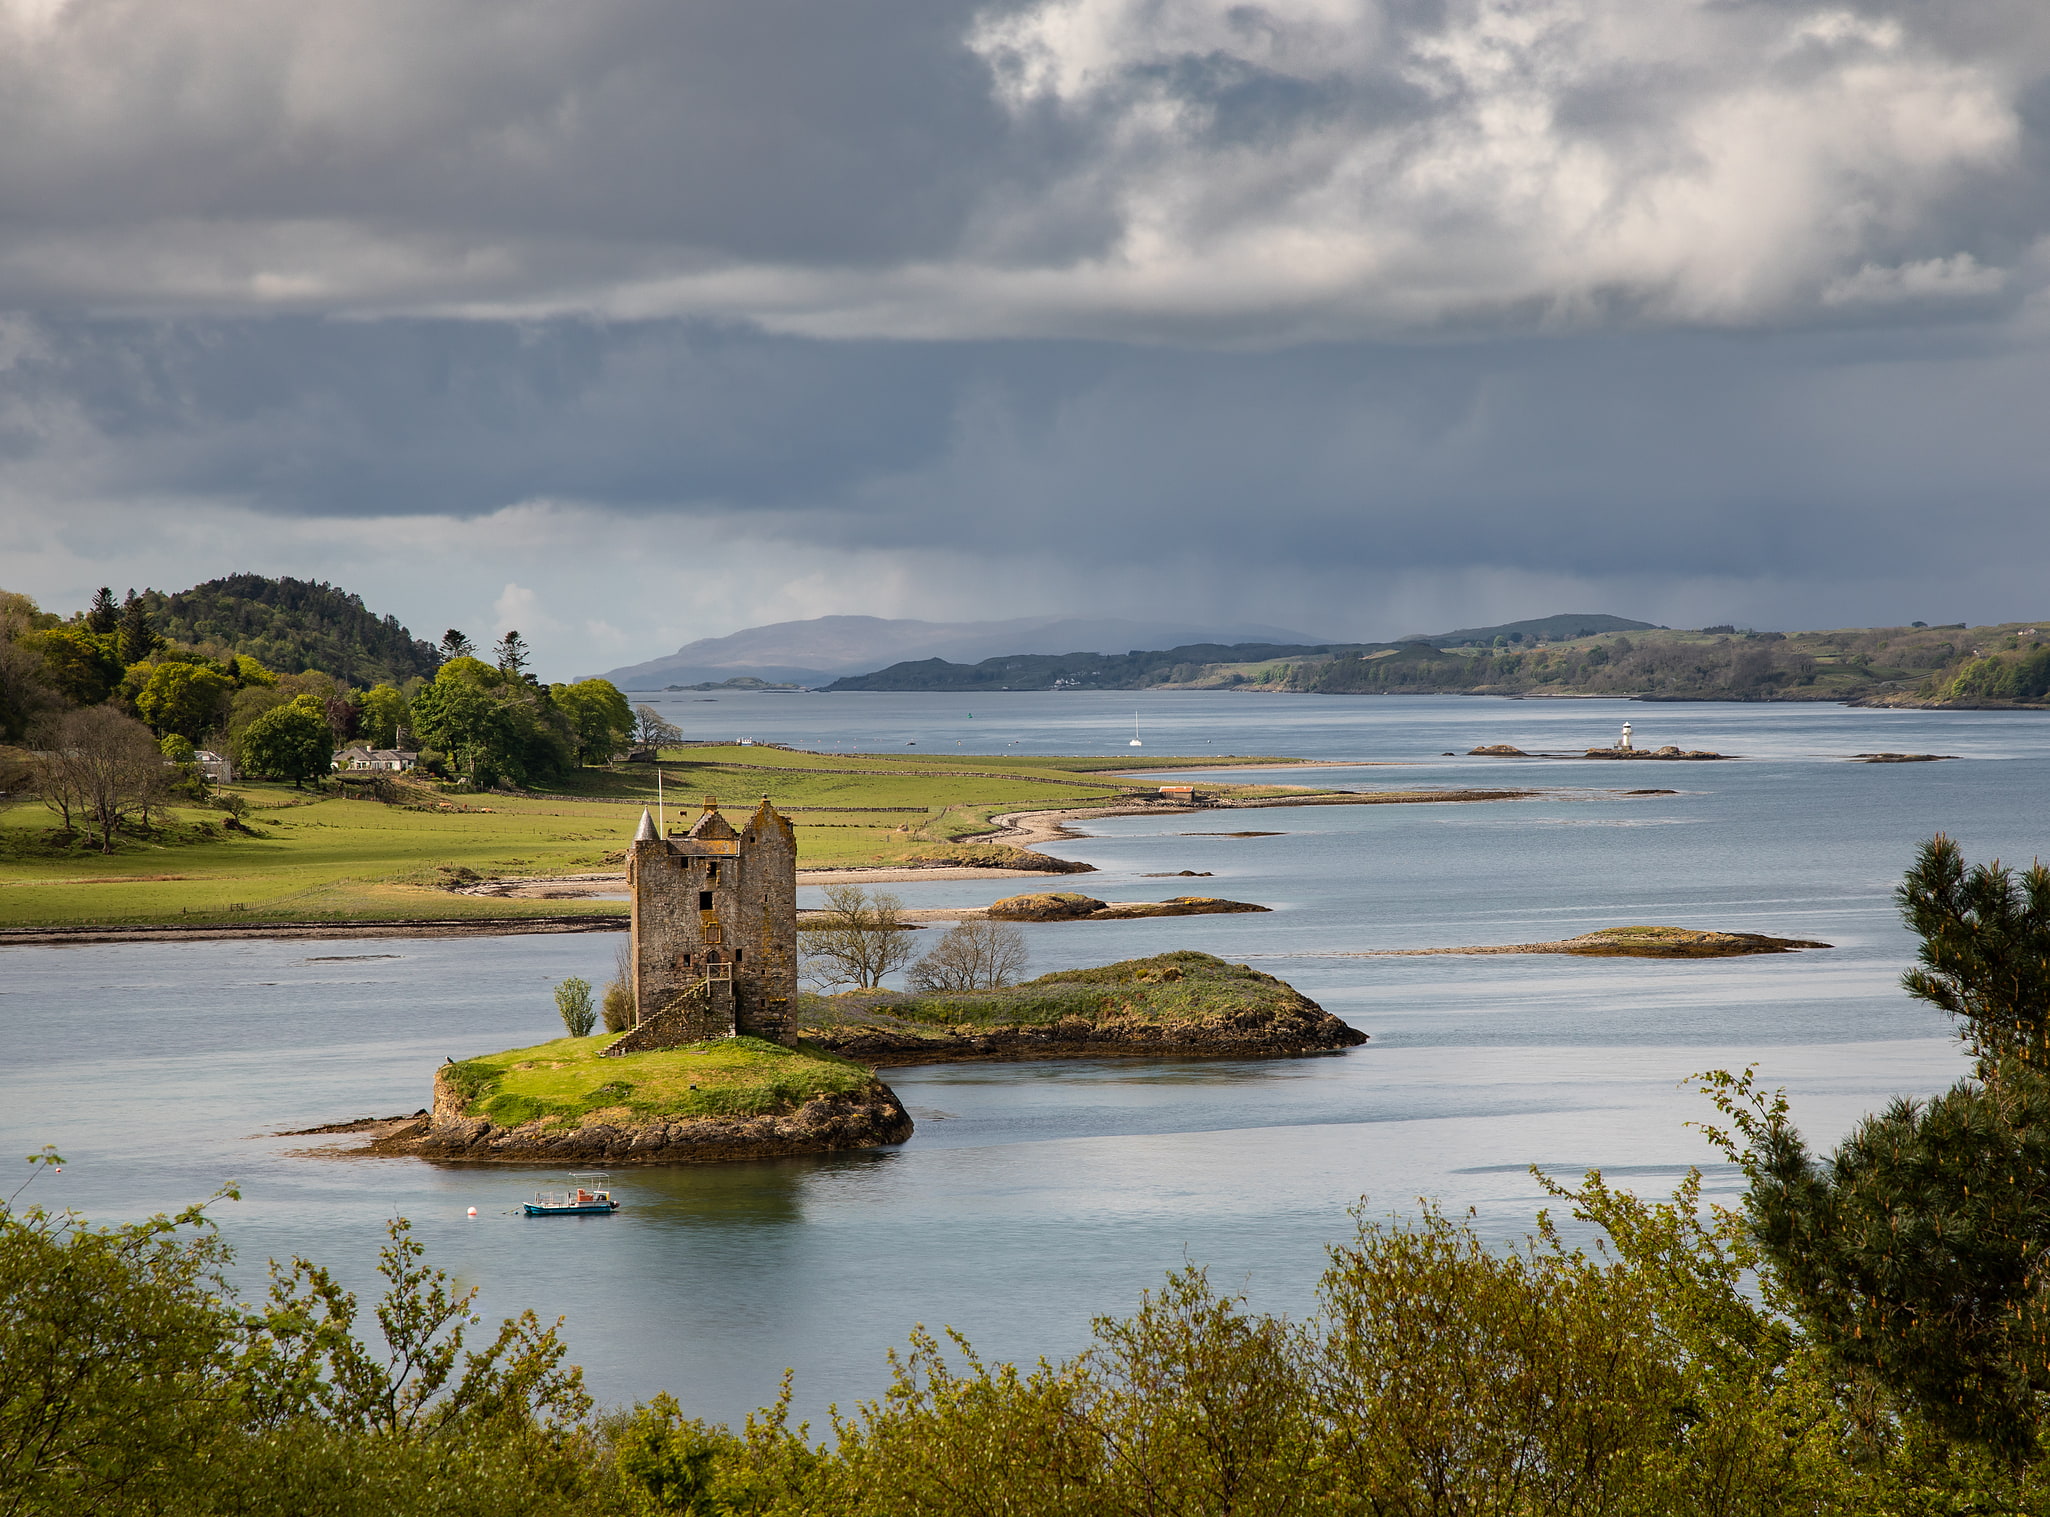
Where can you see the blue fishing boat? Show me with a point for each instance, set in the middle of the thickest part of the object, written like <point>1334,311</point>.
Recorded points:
<point>587,1196</point>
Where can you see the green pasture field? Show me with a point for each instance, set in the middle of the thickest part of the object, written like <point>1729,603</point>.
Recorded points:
<point>320,857</point>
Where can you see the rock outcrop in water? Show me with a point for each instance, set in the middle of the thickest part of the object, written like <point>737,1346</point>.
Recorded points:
<point>1067,906</point>
<point>1667,752</point>
<point>1182,1005</point>
<point>1629,942</point>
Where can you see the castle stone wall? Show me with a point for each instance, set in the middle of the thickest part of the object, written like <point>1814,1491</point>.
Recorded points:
<point>714,931</point>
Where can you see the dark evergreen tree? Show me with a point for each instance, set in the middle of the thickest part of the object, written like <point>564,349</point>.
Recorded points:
<point>1985,955</point>
<point>138,638</point>
<point>1918,1254</point>
<point>104,615</point>
<point>1915,1253</point>
<point>455,645</point>
<point>511,654</point>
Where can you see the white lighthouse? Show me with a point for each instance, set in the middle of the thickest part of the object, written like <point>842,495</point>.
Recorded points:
<point>1625,743</point>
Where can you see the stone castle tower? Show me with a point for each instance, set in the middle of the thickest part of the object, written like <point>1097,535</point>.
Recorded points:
<point>714,930</point>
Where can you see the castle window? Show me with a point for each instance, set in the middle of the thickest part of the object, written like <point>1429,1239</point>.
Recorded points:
<point>704,900</point>
<point>737,953</point>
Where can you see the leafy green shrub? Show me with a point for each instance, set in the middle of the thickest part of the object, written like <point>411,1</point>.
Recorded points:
<point>573,1000</point>
<point>618,1003</point>
<point>132,1381</point>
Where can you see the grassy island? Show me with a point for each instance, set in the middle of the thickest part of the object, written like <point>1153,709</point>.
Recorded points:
<point>722,1099</point>
<point>569,1083</point>
<point>1183,1004</point>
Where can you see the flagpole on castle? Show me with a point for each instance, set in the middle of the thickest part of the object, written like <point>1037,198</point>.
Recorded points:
<point>661,822</point>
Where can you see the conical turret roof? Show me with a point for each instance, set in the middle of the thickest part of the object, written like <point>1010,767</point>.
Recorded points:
<point>646,832</point>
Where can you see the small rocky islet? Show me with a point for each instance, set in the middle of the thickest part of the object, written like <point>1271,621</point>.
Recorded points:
<point>1644,942</point>
<point>1071,906</point>
<point>1173,1005</point>
<point>727,1098</point>
<point>744,1097</point>
<point>1668,751</point>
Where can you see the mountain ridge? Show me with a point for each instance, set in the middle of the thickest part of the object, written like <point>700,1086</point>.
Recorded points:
<point>820,649</point>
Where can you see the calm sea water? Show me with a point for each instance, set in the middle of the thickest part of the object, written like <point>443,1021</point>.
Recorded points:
<point>1035,1196</point>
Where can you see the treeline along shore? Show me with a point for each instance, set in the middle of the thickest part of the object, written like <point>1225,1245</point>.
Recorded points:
<point>1951,666</point>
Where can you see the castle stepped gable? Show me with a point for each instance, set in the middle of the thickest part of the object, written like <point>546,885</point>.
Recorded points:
<point>712,827</point>
<point>714,930</point>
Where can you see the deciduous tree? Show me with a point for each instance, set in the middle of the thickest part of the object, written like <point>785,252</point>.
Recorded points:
<point>382,715</point>
<point>82,666</point>
<point>289,742</point>
<point>858,939</point>
<point>599,716</point>
<point>188,699</point>
<point>980,955</point>
<point>100,770</point>
<point>26,695</point>
<point>652,730</point>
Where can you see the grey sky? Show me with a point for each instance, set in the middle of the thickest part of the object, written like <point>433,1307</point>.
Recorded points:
<point>633,321</point>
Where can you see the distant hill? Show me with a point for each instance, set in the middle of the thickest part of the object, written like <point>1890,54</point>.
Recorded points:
<point>291,626</point>
<point>1552,629</point>
<point>825,647</point>
<point>1081,671</point>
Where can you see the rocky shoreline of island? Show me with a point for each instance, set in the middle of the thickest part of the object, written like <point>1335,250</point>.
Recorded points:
<point>831,1123</point>
<point>738,1098</point>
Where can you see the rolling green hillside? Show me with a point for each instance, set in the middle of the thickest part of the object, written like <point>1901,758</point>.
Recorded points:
<point>291,626</point>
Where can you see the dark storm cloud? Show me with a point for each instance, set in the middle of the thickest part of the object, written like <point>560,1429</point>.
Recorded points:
<point>1813,452</point>
<point>1202,171</point>
<point>1269,304</point>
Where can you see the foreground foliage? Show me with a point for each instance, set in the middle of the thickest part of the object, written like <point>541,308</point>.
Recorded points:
<point>1915,1255</point>
<point>1653,1373</point>
<point>131,1382</point>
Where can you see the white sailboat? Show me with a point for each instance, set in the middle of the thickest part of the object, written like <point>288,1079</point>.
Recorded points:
<point>1135,743</point>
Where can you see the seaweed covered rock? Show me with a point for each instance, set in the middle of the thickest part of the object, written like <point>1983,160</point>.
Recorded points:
<point>1067,906</point>
<point>1667,752</point>
<point>1175,906</point>
<point>1180,1005</point>
<point>727,1098</point>
<point>1047,906</point>
<point>995,856</point>
<point>1675,943</point>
